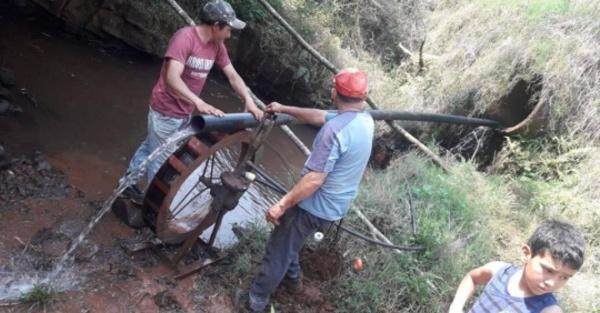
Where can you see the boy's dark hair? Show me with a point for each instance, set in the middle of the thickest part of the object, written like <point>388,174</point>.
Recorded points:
<point>562,240</point>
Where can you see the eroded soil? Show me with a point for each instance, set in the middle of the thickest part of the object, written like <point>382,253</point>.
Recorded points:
<point>42,213</point>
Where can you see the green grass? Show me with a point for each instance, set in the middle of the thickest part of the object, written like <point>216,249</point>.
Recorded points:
<point>40,296</point>
<point>241,264</point>
<point>493,44</point>
<point>449,227</point>
<point>465,219</point>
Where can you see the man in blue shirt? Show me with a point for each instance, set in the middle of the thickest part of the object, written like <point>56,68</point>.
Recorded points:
<point>329,183</point>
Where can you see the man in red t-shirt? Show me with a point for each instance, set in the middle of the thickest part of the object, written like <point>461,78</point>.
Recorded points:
<point>191,54</point>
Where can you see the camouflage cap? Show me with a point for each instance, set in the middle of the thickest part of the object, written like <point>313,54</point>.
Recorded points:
<point>221,11</point>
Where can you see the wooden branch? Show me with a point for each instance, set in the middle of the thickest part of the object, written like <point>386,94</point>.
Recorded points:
<point>413,217</point>
<point>421,62</point>
<point>298,38</point>
<point>404,49</point>
<point>181,12</point>
<point>333,69</point>
<point>374,231</point>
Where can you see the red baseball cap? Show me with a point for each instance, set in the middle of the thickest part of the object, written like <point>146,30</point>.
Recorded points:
<point>352,83</point>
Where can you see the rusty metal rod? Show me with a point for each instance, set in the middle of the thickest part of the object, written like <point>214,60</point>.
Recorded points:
<point>238,121</point>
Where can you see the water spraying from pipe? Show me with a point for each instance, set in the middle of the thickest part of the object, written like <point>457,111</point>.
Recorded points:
<point>177,137</point>
<point>18,286</point>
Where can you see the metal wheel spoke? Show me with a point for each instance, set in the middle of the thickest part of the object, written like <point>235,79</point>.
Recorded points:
<point>185,197</point>
<point>178,209</point>
<point>223,165</point>
<point>206,166</point>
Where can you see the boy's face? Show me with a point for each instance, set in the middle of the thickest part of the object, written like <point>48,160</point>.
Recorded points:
<point>543,273</point>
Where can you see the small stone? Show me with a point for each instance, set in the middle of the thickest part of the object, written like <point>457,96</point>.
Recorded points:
<point>43,165</point>
<point>4,106</point>
<point>15,109</point>
<point>4,93</point>
<point>72,228</point>
<point>5,160</point>
<point>86,251</point>
<point>7,77</point>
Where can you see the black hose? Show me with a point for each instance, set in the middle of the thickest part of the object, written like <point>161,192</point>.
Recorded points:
<point>382,115</point>
<point>269,182</point>
<point>237,121</point>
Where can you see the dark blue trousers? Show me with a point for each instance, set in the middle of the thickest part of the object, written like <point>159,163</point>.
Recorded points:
<point>281,256</point>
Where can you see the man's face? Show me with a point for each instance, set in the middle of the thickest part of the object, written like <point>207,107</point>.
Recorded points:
<point>221,33</point>
<point>544,274</point>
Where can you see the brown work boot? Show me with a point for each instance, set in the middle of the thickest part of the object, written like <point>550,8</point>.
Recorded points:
<point>292,285</point>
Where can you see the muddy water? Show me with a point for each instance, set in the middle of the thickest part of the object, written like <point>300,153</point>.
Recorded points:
<point>85,110</point>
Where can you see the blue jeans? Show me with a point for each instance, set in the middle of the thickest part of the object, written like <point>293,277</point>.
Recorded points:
<point>281,256</point>
<point>160,128</point>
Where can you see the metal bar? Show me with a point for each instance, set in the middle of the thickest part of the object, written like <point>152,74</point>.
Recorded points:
<point>272,183</point>
<point>216,227</point>
<point>267,184</point>
<point>194,267</point>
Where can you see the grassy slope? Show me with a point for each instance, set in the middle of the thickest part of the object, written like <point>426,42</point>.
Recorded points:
<point>475,52</point>
<point>495,43</point>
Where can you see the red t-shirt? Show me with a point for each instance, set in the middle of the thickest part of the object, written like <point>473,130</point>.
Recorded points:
<point>186,47</point>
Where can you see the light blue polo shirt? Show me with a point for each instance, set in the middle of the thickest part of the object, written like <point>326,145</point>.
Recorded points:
<point>342,149</point>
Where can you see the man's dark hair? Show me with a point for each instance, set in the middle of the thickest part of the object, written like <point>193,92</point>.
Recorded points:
<point>349,99</point>
<point>563,241</point>
<point>205,21</point>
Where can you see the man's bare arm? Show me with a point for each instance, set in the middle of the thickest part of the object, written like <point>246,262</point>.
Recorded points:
<point>238,85</point>
<point>174,72</point>
<point>314,117</point>
<point>307,185</point>
<point>468,284</point>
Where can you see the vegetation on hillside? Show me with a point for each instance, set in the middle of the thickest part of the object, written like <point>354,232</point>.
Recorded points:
<point>462,57</point>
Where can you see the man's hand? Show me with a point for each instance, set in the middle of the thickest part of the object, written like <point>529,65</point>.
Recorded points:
<point>275,107</point>
<point>205,108</point>
<point>274,213</point>
<point>252,108</point>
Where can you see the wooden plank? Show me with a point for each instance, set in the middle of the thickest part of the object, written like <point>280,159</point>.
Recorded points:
<point>177,164</point>
<point>160,185</point>
<point>197,146</point>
